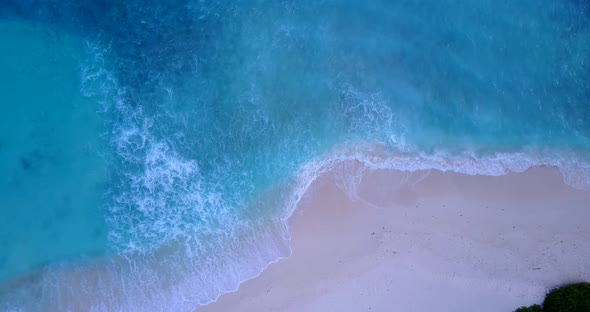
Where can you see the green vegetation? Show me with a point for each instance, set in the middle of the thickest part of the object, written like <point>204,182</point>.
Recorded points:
<point>569,298</point>
<point>533,308</point>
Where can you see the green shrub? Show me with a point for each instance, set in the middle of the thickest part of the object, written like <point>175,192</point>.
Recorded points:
<point>533,308</point>
<point>570,298</point>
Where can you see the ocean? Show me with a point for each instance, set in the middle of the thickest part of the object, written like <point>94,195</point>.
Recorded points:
<point>152,152</point>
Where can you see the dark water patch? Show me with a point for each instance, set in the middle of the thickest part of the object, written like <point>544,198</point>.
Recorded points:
<point>582,6</point>
<point>25,163</point>
<point>148,40</point>
<point>37,161</point>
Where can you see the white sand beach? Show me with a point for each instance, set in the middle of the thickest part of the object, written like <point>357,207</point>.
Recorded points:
<point>426,241</point>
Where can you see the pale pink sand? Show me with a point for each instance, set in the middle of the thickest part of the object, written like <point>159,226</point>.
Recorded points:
<point>426,241</point>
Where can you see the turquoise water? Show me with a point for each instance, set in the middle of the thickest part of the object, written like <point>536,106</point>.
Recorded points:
<point>153,151</point>
<point>54,173</point>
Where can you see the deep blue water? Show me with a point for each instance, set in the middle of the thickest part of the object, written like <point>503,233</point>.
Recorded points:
<point>150,151</point>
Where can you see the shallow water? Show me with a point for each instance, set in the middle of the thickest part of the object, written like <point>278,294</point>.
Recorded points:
<point>54,173</point>
<point>170,141</point>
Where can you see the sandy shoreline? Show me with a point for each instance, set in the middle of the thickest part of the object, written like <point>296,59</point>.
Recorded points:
<point>426,241</point>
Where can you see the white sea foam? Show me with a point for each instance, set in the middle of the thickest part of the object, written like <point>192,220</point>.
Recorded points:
<point>575,172</point>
